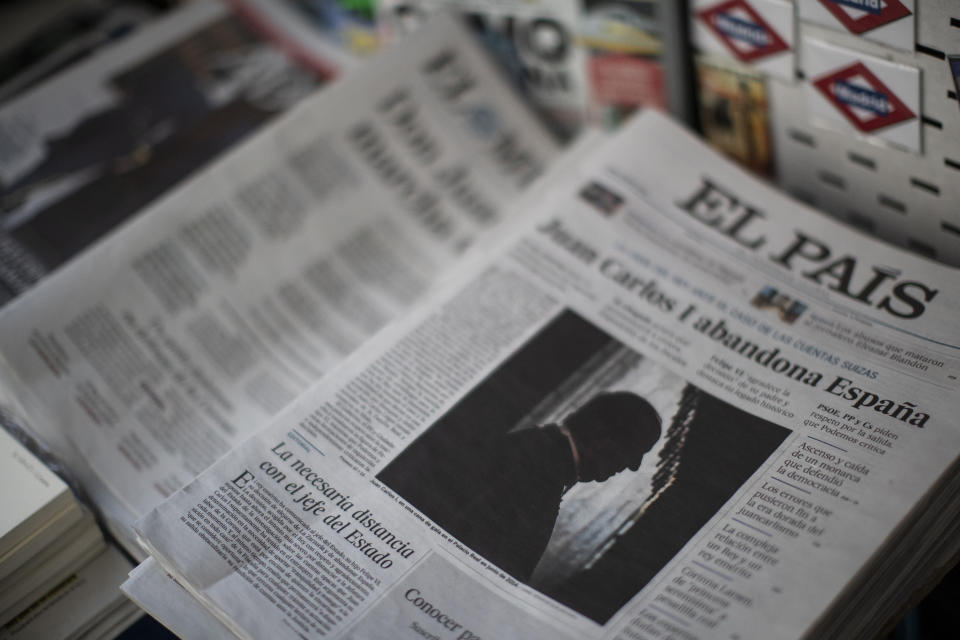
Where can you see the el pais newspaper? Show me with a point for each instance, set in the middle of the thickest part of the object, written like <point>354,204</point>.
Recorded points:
<point>469,472</point>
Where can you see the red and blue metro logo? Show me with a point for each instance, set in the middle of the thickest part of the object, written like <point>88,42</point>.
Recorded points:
<point>859,16</point>
<point>742,30</point>
<point>860,96</point>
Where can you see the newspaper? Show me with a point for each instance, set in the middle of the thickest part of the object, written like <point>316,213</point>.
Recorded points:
<point>150,356</point>
<point>674,403</point>
<point>169,603</point>
<point>77,606</point>
<point>534,42</point>
<point>117,130</point>
<point>578,61</point>
<point>166,601</point>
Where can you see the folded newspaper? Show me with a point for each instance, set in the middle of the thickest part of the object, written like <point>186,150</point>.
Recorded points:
<point>151,355</point>
<point>666,402</point>
<point>672,403</point>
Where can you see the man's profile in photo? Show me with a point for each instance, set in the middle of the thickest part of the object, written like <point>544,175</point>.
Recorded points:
<point>505,503</point>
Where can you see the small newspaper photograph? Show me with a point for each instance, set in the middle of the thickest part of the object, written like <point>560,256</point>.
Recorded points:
<point>111,135</point>
<point>496,471</point>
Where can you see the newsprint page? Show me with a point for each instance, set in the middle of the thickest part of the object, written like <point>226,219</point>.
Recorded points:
<point>85,151</point>
<point>673,404</point>
<point>151,356</point>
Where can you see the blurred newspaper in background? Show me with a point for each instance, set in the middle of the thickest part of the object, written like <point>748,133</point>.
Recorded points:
<point>152,354</point>
<point>86,150</point>
<point>535,44</point>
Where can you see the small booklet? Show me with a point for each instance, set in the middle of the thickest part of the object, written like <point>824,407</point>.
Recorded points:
<point>34,498</point>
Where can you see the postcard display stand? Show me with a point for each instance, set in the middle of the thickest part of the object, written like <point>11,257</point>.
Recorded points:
<point>867,127</point>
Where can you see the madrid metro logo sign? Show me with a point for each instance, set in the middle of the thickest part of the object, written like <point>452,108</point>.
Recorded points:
<point>742,30</point>
<point>860,16</point>
<point>862,98</point>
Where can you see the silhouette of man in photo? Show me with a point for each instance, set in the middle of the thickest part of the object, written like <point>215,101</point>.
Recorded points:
<point>504,503</point>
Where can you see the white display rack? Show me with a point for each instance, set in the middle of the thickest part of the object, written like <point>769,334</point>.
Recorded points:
<point>909,199</point>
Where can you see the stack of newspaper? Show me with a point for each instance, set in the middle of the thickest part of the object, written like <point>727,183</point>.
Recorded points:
<point>53,559</point>
<point>802,483</point>
<point>627,393</point>
<point>44,532</point>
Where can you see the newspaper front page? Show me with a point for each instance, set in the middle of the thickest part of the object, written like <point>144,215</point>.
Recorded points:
<point>169,343</point>
<point>674,404</point>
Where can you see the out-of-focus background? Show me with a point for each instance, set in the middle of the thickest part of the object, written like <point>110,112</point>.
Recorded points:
<point>749,75</point>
